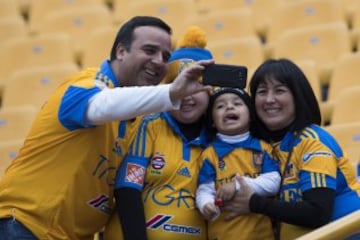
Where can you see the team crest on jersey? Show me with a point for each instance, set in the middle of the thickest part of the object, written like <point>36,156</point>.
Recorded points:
<point>101,202</point>
<point>157,164</point>
<point>258,158</point>
<point>221,164</point>
<point>162,222</point>
<point>135,173</point>
<point>290,171</point>
<point>185,63</point>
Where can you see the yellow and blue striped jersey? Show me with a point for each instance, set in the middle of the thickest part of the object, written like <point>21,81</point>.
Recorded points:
<point>61,184</point>
<point>164,165</point>
<point>220,163</point>
<point>317,161</point>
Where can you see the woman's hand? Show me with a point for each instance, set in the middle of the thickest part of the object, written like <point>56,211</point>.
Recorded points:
<point>239,205</point>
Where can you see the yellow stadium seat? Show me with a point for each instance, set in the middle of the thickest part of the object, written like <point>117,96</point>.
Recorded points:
<point>246,51</point>
<point>33,86</point>
<point>15,122</point>
<point>226,24</point>
<point>345,75</point>
<point>24,6</point>
<point>98,46</point>
<point>8,151</point>
<point>348,136</point>
<point>9,8</point>
<point>350,7</point>
<point>173,12</point>
<point>262,10</point>
<point>324,44</point>
<point>32,52</point>
<point>39,9</point>
<point>297,14</point>
<point>355,26</point>
<point>343,110</point>
<point>209,6</point>
<point>77,22</point>
<point>12,27</point>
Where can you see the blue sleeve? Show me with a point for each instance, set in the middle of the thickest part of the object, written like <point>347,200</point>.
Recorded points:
<point>270,164</point>
<point>73,107</point>
<point>131,173</point>
<point>207,173</point>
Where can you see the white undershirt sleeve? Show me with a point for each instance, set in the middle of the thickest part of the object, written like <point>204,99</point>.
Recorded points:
<point>205,194</point>
<point>267,184</point>
<point>124,103</point>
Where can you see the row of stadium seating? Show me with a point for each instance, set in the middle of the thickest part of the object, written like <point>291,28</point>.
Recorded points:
<point>318,32</point>
<point>77,34</point>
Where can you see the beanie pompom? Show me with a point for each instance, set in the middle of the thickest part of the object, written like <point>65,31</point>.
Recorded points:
<point>191,48</point>
<point>194,37</point>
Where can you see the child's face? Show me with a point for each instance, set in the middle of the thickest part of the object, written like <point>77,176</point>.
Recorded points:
<point>230,114</point>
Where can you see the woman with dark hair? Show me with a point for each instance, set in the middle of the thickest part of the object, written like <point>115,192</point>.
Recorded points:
<point>318,181</point>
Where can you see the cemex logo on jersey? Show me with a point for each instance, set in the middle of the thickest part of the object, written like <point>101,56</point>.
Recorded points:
<point>101,203</point>
<point>161,221</point>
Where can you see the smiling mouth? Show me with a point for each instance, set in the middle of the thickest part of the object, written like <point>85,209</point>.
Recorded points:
<point>151,72</point>
<point>231,117</point>
<point>186,107</point>
<point>152,78</point>
<point>272,112</point>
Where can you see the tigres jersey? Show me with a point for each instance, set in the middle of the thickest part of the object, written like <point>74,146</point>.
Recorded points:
<point>317,161</point>
<point>61,184</point>
<point>164,165</point>
<point>221,162</point>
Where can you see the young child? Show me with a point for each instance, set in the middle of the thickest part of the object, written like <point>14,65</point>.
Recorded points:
<point>234,151</point>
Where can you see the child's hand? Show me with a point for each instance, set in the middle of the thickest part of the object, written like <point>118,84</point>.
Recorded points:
<point>210,211</point>
<point>226,191</point>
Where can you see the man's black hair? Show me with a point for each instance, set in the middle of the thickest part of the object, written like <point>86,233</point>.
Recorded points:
<point>125,36</point>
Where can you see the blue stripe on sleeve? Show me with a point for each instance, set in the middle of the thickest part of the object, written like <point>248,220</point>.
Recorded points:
<point>311,180</point>
<point>73,107</point>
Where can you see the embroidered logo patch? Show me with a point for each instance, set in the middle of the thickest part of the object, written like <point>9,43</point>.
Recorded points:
<point>185,63</point>
<point>290,172</point>
<point>258,159</point>
<point>157,164</point>
<point>221,165</point>
<point>184,172</point>
<point>308,156</point>
<point>135,174</point>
